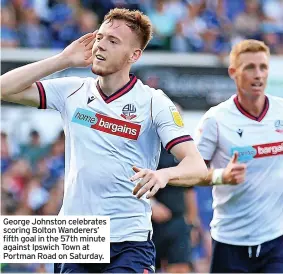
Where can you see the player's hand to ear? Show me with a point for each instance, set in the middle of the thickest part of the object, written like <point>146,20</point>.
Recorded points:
<point>150,181</point>
<point>79,52</point>
<point>235,172</point>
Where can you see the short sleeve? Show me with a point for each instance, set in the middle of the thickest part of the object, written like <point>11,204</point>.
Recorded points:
<point>206,136</point>
<point>168,122</point>
<point>54,92</point>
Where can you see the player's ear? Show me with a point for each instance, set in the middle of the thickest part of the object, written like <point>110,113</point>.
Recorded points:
<point>135,56</point>
<point>232,72</point>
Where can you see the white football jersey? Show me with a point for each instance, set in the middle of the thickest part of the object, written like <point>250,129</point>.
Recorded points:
<point>250,213</point>
<point>105,138</point>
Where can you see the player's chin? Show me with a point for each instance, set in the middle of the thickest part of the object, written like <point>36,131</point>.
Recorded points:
<point>257,92</point>
<point>98,70</point>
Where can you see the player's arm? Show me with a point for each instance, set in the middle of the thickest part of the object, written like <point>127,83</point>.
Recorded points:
<point>206,142</point>
<point>192,169</point>
<point>191,172</point>
<point>19,85</point>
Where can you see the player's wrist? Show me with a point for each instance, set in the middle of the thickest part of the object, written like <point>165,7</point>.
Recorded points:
<point>63,61</point>
<point>207,178</point>
<point>217,177</point>
<point>172,173</point>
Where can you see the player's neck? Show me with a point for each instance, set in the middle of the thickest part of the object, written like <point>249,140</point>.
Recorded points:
<point>252,105</point>
<point>111,83</point>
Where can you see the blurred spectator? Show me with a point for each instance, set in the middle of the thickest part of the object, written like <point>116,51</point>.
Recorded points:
<point>215,43</point>
<point>233,8</point>
<point>6,158</point>
<point>64,22</point>
<point>216,35</point>
<point>99,7</point>
<point>179,42</point>
<point>55,163</point>
<point>177,8</point>
<point>43,10</point>
<point>146,6</point>
<point>273,40</point>
<point>9,149</point>
<point>88,22</point>
<point>272,26</point>
<point>247,23</point>
<point>193,27</point>
<point>15,179</point>
<point>19,7</point>
<point>164,25</point>
<point>32,33</point>
<point>54,202</point>
<point>272,9</point>
<point>9,35</point>
<point>33,150</point>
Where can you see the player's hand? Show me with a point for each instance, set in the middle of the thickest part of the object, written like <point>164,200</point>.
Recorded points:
<point>79,52</point>
<point>160,213</point>
<point>235,172</point>
<point>150,181</point>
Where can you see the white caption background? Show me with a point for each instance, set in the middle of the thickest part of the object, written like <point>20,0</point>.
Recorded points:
<point>52,239</point>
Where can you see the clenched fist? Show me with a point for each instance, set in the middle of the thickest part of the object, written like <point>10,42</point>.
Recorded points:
<point>235,172</point>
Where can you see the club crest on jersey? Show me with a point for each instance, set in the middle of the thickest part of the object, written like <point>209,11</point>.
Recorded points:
<point>106,124</point>
<point>176,116</point>
<point>279,126</point>
<point>128,112</point>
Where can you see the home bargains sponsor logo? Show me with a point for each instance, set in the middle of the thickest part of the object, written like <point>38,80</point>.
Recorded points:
<point>258,151</point>
<point>106,124</point>
<point>269,149</point>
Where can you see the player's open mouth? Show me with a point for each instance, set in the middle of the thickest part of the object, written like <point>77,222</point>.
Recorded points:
<point>257,84</point>
<point>100,57</point>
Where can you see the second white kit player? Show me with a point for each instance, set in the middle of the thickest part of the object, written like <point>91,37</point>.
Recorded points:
<point>247,225</point>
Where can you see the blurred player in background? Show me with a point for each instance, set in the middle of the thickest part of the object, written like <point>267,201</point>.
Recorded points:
<point>112,123</point>
<point>247,226</point>
<point>173,210</point>
<point>200,234</point>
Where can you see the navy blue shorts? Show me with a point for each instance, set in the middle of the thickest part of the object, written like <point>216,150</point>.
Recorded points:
<point>171,240</point>
<point>125,257</point>
<point>264,258</point>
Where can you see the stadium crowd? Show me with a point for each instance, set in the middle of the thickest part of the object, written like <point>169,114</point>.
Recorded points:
<point>208,26</point>
<point>31,182</point>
